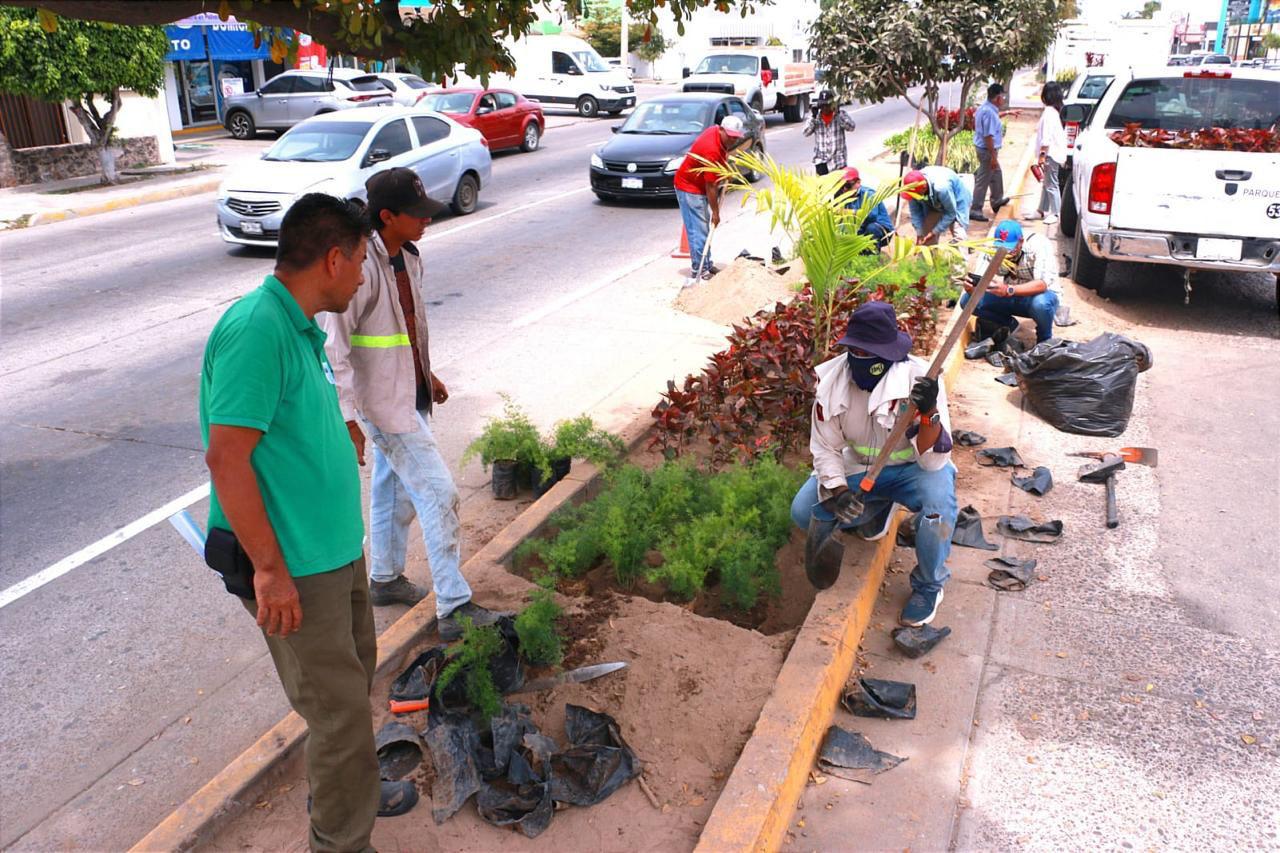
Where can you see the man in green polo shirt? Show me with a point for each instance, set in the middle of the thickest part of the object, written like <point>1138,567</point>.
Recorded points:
<point>286,484</point>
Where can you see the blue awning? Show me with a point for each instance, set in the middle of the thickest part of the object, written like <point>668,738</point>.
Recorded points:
<point>185,42</point>
<point>234,41</point>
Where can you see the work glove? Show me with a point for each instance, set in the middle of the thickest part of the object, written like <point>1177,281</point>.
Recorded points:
<point>925,394</point>
<point>846,506</point>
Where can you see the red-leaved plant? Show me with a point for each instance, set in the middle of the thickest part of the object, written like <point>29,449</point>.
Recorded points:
<point>1210,139</point>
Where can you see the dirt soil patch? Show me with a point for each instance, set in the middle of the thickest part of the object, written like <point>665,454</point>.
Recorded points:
<point>686,704</point>
<point>740,290</point>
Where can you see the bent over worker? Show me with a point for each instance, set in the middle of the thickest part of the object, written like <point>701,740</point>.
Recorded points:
<point>859,396</point>
<point>698,191</point>
<point>938,200</point>
<point>381,363</point>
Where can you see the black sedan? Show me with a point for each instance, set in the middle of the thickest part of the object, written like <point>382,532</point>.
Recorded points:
<point>641,161</point>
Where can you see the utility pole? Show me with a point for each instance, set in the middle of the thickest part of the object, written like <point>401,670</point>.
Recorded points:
<point>623,34</point>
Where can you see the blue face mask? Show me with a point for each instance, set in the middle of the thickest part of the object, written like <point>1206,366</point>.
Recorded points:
<point>867,371</point>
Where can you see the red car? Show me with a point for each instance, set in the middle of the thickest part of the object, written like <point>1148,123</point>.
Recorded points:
<point>505,118</point>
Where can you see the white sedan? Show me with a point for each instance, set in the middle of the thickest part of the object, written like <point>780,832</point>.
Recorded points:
<point>406,89</point>
<point>336,153</point>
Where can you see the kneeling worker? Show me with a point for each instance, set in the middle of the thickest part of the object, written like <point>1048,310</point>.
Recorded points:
<point>1030,288</point>
<point>858,397</point>
<point>878,223</point>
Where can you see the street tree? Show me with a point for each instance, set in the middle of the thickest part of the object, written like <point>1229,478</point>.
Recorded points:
<point>84,63</point>
<point>603,30</point>
<point>436,39</point>
<point>651,45</point>
<point>880,49</point>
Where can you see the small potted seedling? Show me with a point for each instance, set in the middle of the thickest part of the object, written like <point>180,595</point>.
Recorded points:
<point>504,444</point>
<point>579,438</point>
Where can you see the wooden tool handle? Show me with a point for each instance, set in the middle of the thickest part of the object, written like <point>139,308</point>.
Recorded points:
<point>906,417</point>
<point>1113,512</point>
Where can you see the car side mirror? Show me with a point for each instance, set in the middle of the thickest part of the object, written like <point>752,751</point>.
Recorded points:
<point>377,155</point>
<point>759,115</point>
<point>483,110</point>
<point>616,128</point>
<point>574,71</point>
<point>686,72</point>
<point>258,93</point>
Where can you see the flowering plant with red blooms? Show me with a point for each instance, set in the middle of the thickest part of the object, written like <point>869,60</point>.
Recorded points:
<point>952,118</point>
<point>1209,139</point>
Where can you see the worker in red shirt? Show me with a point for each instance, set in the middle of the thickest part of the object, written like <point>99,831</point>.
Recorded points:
<point>698,191</point>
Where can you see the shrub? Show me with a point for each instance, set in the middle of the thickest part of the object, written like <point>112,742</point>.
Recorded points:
<point>512,437</point>
<point>1067,76</point>
<point>962,156</point>
<point>580,438</point>
<point>471,661</point>
<point>540,643</point>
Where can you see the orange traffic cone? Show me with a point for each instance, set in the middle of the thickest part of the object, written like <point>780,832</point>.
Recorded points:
<point>683,250</point>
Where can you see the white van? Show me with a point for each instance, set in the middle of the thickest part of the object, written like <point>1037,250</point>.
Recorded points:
<point>563,70</point>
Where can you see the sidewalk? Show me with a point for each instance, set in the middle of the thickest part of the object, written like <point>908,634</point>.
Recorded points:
<point>201,162</point>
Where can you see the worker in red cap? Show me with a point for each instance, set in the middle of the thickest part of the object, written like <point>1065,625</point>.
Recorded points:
<point>877,223</point>
<point>939,201</point>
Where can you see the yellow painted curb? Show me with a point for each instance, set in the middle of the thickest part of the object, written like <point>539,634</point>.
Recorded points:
<point>226,795</point>
<point>757,803</point>
<point>122,202</point>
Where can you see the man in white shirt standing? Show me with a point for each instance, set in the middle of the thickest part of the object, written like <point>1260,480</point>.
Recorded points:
<point>1030,287</point>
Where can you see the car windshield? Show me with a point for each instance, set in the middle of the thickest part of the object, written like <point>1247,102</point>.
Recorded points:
<point>590,60</point>
<point>1194,103</point>
<point>415,82</point>
<point>327,142</point>
<point>1093,87</point>
<point>658,117</point>
<point>362,84</point>
<point>728,63</point>
<point>448,102</point>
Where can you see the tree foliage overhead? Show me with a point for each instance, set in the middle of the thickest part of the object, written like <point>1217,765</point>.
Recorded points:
<point>604,30</point>
<point>897,45</point>
<point>80,62</point>
<point>440,37</point>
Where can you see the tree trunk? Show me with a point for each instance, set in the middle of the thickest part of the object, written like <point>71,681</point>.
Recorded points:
<point>107,157</point>
<point>100,129</point>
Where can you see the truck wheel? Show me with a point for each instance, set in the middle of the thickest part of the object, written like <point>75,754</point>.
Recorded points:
<point>588,107</point>
<point>241,126</point>
<point>757,102</point>
<point>1088,271</point>
<point>791,112</point>
<point>1068,219</point>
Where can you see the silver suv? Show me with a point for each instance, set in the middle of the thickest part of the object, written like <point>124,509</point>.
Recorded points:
<point>288,98</point>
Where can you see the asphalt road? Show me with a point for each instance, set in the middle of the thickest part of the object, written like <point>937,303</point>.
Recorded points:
<point>132,679</point>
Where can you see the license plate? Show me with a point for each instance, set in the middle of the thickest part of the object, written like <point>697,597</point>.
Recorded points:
<point>248,227</point>
<point>1215,249</point>
<point>633,183</point>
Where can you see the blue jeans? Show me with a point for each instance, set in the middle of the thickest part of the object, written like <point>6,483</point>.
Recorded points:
<point>1002,310</point>
<point>930,493</point>
<point>695,211</point>
<point>410,478</point>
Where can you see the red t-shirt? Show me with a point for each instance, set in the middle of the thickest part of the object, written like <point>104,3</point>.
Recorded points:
<point>689,176</point>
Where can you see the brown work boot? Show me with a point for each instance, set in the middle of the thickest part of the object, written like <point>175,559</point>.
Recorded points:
<point>396,591</point>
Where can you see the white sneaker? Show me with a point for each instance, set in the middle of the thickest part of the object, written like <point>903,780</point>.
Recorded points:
<point>1051,220</point>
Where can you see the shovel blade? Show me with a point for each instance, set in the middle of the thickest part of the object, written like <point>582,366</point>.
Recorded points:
<point>823,554</point>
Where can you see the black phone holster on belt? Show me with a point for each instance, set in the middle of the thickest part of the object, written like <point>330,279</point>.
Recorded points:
<point>224,555</point>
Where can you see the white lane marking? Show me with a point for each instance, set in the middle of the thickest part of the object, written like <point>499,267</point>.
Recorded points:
<point>103,545</point>
<point>486,220</point>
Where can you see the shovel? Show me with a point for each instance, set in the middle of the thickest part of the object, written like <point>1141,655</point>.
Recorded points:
<point>825,543</point>
<point>694,272</point>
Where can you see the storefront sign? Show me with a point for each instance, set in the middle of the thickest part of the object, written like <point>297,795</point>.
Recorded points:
<point>185,42</point>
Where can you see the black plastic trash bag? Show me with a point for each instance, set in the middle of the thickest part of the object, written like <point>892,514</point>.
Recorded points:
<point>981,349</point>
<point>597,762</point>
<point>1086,388</point>
<point>1000,457</point>
<point>1021,527</point>
<point>506,732</point>
<point>968,438</point>
<point>522,796</point>
<point>851,756</point>
<point>453,744</point>
<point>1039,483</point>
<point>1008,379</point>
<point>1009,574</point>
<point>968,531</point>
<point>399,750</point>
<point>918,641</point>
<point>417,679</point>
<point>876,697</point>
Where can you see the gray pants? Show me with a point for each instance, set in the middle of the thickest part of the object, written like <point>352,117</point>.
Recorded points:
<point>1050,193</point>
<point>987,177</point>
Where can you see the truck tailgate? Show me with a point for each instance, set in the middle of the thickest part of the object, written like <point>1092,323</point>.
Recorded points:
<point>1215,193</point>
<point>796,77</point>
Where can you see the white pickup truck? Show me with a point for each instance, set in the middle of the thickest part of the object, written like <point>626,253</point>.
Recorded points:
<point>1196,207</point>
<point>763,77</point>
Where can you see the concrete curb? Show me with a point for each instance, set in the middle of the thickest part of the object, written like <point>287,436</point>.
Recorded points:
<point>227,794</point>
<point>121,202</point>
<point>758,801</point>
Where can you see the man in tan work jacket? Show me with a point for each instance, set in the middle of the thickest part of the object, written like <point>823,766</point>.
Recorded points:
<point>381,363</point>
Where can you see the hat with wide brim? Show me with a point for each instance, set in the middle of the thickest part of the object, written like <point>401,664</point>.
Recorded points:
<point>873,328</point>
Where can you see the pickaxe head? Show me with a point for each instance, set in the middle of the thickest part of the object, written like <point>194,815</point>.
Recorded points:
<point>1100,472</point>
<point>1148,456</point>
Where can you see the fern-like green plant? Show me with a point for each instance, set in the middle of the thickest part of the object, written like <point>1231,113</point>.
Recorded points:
<point>512,437</point>
<point>540,643</point>
<point>471,662</point>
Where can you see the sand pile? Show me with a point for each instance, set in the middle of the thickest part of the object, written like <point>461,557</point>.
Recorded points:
<point>739,290</point>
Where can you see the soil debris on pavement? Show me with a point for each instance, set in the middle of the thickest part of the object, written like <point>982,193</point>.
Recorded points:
<point>851,756</point>
<point>738,291</point>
